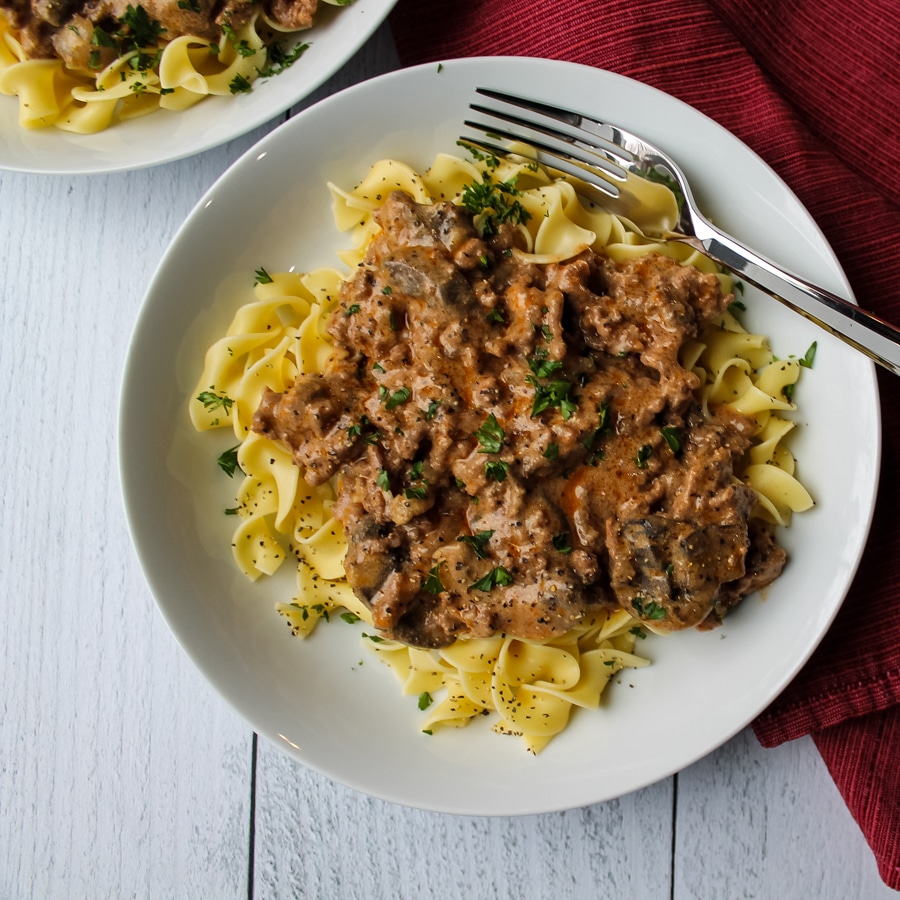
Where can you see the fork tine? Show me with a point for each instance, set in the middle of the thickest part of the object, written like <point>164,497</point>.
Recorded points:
<point>622,179</point>
<point>552,112</point>
<point>608,146</point>
<point>559,164</point>
<point>589,178</point>
<point>616,141</point>
<point>587,158</point>
<point>590,154</point>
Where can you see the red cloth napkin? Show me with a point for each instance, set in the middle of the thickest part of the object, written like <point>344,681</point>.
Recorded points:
<point>808,85</point>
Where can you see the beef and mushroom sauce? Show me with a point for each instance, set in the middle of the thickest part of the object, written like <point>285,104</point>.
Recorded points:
<point>517,445</point>
<point>65,29</point>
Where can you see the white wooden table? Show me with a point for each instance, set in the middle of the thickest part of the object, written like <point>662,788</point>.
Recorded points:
<point>124,775</point>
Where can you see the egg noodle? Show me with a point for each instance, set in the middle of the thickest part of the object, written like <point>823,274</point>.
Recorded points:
<point>150,73</point>
<point>531,686</point>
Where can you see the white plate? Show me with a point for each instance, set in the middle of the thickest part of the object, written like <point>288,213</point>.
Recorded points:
<point>314,699</point>
<point>165,136</point>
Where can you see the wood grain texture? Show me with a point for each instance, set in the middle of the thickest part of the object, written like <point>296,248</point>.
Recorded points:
<point>122,774</point>
<point>121,770</point>
<point>753,822</point>
<point>317,839</point>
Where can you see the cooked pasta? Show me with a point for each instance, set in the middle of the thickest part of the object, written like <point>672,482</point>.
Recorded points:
<point>531,687</point>
<point>93,72</point>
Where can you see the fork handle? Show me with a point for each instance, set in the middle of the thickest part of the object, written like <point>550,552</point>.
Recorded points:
<point>879,340</point>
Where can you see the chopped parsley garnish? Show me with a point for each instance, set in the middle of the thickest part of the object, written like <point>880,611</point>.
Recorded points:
<point>807,361</point>
<point>643,456</point>
<point>319,608</point>
<point>562,543</point>
<point>278,59</point>
<point>424,700</point>
<point>102,38</point>
<point>672,437</point>
<point>432,582</point>
<point>350,618</point>
<point>262,276</point>
<point>494,203</point>
<point>432,410</point>
<point>638,632</point>
<point>589,440</point>
<point>303,610</point>
<point>239,85</point>
<point>552,451</point>
<point>490,435</point>
<point>190,6</point>
<point>477,542</point>
<point>144,31</point>
<point>383,480</point>
<point>401,395</point>
<point>212,401</point>
<point>352,309</point>
<point>420,492</point>
<point>654,611</point>
<point>135,33</point>
<point>228,461</point>
<point>496,315</point>
<point>242,47</point>
<point>496,470</point>
<point>141,62</point>
<point>355,431</point>
<point>488,159</point>
<point>649,610</point>
<point>496,577</point>
<point>555,395</point>
<point>543,367</point>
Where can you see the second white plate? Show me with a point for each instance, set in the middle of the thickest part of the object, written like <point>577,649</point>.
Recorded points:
<point>166,136</point>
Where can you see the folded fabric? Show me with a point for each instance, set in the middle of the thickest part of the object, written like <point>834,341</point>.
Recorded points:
<point>820,105</point>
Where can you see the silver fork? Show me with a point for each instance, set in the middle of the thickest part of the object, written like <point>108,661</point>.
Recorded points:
<point>617,166</point>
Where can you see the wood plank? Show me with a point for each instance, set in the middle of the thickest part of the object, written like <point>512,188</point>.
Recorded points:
<point>753,822</point>
<point>318,839</point>
<point>122,772</point>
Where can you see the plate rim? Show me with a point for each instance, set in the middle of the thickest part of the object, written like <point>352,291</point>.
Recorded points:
<point>124,414</point>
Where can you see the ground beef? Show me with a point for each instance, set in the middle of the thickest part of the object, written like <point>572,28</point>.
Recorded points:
<point>518,445</point>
